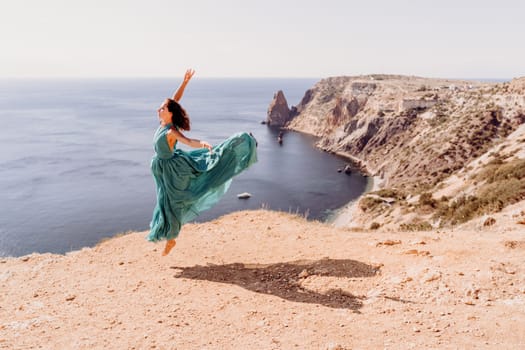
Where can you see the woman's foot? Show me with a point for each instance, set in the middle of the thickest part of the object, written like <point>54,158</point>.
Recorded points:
<point>168,247</point>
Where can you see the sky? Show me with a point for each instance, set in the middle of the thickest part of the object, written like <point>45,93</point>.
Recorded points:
<point>267,38</point>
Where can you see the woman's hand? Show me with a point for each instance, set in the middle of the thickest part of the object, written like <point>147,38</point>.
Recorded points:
<point>189,73</point>
<point>205,144</point>
<point>180,91</point>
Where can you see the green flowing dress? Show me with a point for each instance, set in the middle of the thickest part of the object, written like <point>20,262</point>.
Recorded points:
<point>188,183</point>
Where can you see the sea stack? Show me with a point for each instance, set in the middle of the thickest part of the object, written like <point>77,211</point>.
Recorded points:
<point>278,111</point>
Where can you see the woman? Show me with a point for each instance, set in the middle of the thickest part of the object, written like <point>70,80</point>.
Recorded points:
<point>189,182</point>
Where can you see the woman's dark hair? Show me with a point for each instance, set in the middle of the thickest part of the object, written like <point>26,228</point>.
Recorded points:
<point>179,116</point>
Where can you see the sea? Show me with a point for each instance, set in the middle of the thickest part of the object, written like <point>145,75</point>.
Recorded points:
<point>75,157</point>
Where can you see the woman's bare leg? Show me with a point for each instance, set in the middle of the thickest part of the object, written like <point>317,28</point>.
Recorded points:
<point>168,247</point>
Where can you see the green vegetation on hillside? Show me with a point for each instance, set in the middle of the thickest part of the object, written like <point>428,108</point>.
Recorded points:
<point>502,184</point>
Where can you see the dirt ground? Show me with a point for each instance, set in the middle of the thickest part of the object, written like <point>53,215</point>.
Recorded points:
<point>268,280</point>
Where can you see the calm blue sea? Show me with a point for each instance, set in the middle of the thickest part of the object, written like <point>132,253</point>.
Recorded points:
<point>75,154</point>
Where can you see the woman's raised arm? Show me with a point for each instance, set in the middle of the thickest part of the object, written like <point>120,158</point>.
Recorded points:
<point>180,91</point>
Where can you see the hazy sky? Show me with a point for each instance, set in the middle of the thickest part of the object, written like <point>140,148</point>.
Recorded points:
<point>267,38</point>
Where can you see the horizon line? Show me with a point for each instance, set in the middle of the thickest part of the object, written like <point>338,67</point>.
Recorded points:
<point>251,77</point>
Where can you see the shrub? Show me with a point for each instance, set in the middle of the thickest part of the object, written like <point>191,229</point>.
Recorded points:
<point>460,210</point>
<point>390,192</point>
<point>498,195</point>
<point>504,185</point>
<point>426,199</point>
<point>497,170</point>
<point>416,226</point>
<point>369,203</point>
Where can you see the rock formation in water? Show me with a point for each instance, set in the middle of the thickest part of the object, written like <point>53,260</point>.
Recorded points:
<point>278,112</point>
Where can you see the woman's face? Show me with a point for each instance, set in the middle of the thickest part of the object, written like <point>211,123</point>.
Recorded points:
<point>164,114</point>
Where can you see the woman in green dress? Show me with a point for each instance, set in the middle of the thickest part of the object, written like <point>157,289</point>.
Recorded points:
<point>188,183</point>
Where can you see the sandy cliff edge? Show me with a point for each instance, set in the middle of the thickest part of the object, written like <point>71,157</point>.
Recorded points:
<point>271,280</point>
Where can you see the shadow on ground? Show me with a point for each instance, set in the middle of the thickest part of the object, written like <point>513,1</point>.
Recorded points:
<point>282,279</point>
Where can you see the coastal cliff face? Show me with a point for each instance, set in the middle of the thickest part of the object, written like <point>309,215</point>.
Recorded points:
<point>414,133</point>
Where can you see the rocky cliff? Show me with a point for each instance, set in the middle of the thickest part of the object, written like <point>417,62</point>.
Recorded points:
<point>414,133</point>
<point>278,112</point>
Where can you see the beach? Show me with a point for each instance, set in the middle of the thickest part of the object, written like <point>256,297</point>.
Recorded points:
<point>346,215</point>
